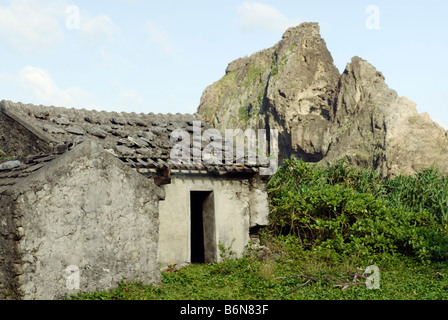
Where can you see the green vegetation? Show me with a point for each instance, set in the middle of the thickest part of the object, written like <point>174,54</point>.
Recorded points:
<point>4,156</point>
<point>274,63</point>
<point>278,66</point>
<point>413,119</point>
<point>286,278</point>
<point>354,211</point>
<point>244,114</point>
<point>223,87</point>
<point>252,76</point>
<point>228,79</point>
<point>207,111</point>
<point>260,99</point>
<point>360,153</point>
<point>327,224</point>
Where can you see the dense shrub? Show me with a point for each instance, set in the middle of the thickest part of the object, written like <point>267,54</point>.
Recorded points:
<point>355,211</point>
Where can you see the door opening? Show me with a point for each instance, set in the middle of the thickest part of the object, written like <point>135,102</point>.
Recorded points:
<point>202,224</point>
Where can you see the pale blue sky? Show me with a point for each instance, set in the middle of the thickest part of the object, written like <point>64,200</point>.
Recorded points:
<point>159,56</point>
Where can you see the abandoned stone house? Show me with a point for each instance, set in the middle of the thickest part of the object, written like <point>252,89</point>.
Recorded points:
<point>89,199</point>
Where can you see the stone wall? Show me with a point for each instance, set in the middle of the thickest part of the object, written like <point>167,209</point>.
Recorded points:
<point>84,214</point>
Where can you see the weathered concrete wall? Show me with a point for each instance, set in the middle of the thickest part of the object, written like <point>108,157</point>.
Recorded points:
<point>87,210</point>
<point>8,252</point>
<point>239,205</point>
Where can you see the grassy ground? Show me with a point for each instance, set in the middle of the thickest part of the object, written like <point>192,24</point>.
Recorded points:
<point>327,225</point>
<point>290,275</point>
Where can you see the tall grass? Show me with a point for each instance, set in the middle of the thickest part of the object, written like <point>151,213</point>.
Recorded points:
<point>353,210</point>
<point>427,190</point>
<point>3,155</point>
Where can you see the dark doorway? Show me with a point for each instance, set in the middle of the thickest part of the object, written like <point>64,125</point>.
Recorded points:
<point>202,234</point>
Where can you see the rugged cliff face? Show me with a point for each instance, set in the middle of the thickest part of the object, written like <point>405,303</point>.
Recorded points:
<point>373,127</point>
<point>322,115</point>
<point>288,87</point>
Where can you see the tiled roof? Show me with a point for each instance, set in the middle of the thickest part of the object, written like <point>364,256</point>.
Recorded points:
<point>11,171</point>
<point>126,134</point>
<point>142,141</point>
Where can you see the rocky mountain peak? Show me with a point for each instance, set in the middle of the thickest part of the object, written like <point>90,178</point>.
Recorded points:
<point>285,87</point>
<point>372,126</point>
<point>304,31</point>
<point>322,115</point>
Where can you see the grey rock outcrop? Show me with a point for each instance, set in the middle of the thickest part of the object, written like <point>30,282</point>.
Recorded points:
<point>10,165</point>
<point>373,127</point>
<point>322,115</point>
<point>288,87</point>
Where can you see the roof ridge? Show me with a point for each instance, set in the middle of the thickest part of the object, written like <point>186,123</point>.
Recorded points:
<point>54,109</point>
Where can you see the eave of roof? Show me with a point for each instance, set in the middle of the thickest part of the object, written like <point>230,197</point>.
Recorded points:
<point>127,135</point>
<point>23,168</point>
<point>142,141</point>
